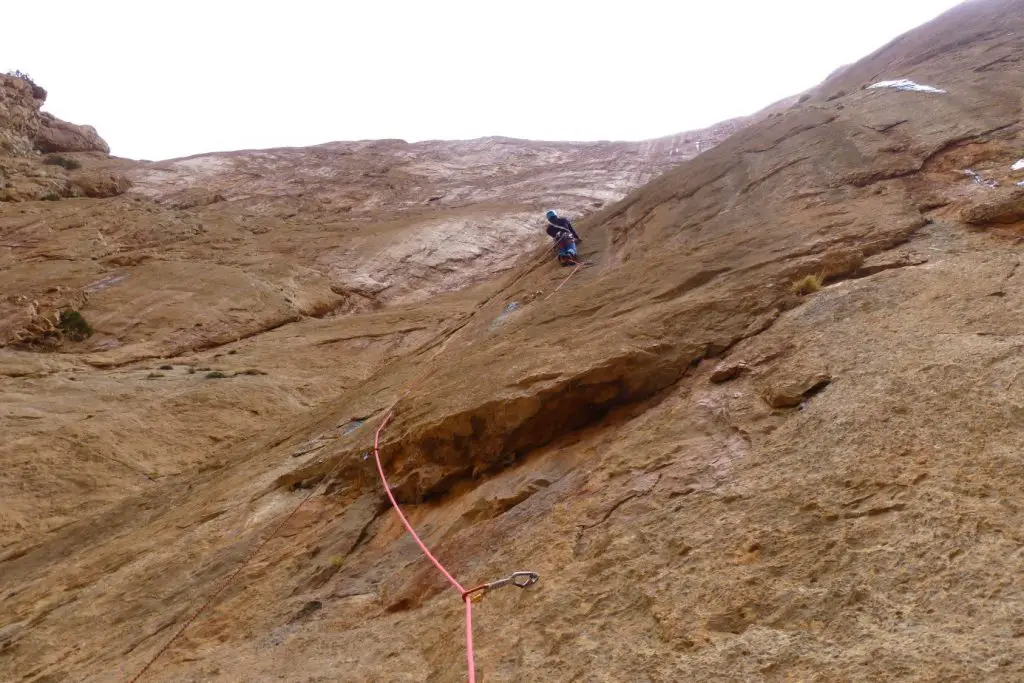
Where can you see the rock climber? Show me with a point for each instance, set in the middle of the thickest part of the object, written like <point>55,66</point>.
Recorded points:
<point>565,237</point>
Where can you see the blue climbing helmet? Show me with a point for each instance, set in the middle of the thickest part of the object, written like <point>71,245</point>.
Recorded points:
<point>550,214</point>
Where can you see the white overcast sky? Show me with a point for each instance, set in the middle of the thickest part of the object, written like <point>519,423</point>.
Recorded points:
<point>162,79</point>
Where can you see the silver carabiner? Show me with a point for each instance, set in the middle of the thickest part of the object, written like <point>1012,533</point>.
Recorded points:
<point>524,579</point>
<point>517,579</point>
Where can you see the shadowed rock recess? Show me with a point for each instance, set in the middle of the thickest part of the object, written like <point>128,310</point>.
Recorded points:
<point>719,475</point>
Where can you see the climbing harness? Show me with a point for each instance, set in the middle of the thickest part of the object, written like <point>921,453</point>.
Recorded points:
<point>565,248</point>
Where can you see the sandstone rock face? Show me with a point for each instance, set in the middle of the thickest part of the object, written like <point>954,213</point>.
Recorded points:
<point>1002,206</point>
<point>716,479</point>
<point>25,131</point>
<point>389,222</point>
<point>23,127</point>
<point>793,391</point>
<point>55,135</point>
<point>19,116</point>
<point>210,251</point>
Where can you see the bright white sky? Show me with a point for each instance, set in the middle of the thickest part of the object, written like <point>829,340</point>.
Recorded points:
<point>163,79</point>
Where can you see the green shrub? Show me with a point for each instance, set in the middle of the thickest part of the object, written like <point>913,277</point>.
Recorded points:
<point>216,374</point>
<point>74,326</point>
<point>62,161</point>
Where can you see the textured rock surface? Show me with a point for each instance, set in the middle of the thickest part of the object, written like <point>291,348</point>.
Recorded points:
<point>211,254</point>
<point>390,222</point>
<point>24,128</point>
<point>25,131</point>
<point>19,116</point>
<point>717,479</point>
<point>55,135</point>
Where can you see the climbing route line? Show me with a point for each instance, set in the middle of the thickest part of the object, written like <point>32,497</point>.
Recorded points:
<point>518,579</point>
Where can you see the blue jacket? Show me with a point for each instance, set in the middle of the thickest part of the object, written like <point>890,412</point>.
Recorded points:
<point>559,225</point>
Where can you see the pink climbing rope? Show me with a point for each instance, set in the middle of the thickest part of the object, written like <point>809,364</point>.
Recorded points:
<point>520,579</point>
<point>470,664</point>
<point>466,595</point>
<point>398,510</point>
<point>578,266</point>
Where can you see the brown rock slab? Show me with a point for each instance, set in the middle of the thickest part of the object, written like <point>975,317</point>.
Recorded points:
<point>1002,206</point>
<point>726,371</point>
<point>792,392</point>
<point>682,529</point>
<point>55,135</point>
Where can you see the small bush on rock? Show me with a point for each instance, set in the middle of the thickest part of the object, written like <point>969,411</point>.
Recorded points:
<point>74,326</point>
<point>64,162</point>
<point>38,91</point>
<point>807,285</point>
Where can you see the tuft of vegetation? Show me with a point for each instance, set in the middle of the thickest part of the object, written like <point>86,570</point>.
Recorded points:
<point>51,197</point>
<point>807,285</point>
<point>74,326</point>
<point>216,374</point>
<point>337,561</point>
<point>191,370</point>
<point>62,161</point>
<point>154,375</point>
<point>232,352</point>
<point>166,367</point>
<point>251,371</point>
<point>38,92</point>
